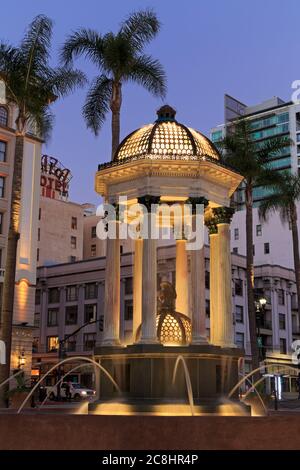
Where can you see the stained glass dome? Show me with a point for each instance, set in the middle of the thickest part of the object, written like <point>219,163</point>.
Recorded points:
<point>166,138</point>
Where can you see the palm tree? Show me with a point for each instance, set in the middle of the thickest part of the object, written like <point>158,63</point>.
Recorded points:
<point>286,192</point>
<point>252,160</point>
<point>120,59</point>
<point>31,86</point>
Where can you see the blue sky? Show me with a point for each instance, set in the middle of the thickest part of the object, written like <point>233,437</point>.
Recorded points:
<point>208,47</point>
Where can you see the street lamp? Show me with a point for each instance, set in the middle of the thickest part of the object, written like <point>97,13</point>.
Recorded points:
<point>62,350</point>
<point>260,305</point>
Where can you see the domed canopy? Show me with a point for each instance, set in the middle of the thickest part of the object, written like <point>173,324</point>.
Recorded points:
<point>166,138</point>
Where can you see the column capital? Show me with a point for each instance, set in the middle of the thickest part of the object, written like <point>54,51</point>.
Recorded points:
<point>222,215</point>
<point>197,200</point>
<point>148,200</point>
<point>212,226</point>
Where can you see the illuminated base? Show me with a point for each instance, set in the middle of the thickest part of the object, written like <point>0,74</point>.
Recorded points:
<point>144,374</point>
<point>148,408</point>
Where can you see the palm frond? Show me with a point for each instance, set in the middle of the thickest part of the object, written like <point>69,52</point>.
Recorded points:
<point>97,103</point>
<point>83,42</point>
<point>149,73</point>
<point>140,28</point>
<point>268,206</point>
<point>35,47</point>
<point>42,122</point>
<point>272,148</point>
<point>64,80</point>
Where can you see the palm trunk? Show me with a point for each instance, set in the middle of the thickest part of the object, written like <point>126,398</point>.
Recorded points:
<point>295,237</point>
<point>250,277</point>
<point>115,107</point>
<point>10,265</point>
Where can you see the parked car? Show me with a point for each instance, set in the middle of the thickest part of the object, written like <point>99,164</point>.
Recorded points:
<point>77,391</point>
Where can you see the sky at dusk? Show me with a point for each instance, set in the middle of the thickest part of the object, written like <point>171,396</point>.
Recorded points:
<point>208,47</point>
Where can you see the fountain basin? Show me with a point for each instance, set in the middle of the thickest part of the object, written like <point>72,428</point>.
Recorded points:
<point>144,373</point>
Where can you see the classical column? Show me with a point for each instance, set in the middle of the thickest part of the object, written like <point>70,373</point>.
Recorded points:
<point>224,334</point>
<point>149,276</point>
<point>182,281</point>
<point>213,280</point>
<point>137,287</point>
<point>111,334</point>
<point>198,278</point>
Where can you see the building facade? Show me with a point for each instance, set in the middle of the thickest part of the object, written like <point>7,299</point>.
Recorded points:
<point>70,295</point>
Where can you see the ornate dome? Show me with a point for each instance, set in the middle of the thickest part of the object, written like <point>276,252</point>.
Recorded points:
<point>166,138</point>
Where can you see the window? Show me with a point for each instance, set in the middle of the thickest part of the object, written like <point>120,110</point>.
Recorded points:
<point>38,254</point>
<point>258,231</point>
<point>89,341</point>
<point>72,293</point>
<point>239,314</point>
<point>2,186</point>
<point>71,315</point>
<point>207,308</point>
<point>35,345</point>
<point>93,251</point>
<point>74,223</point>
<point>239,340</point>
<point>128,311</point>
<point>36,320</point>
<point>282,321</point>
<point>207,280</point>
<point>3,116</point>
<point>71,344</point>
<point>128,285</point>
<point>40,213</point>
<point>73,242</point>
<point>1,222</point>
<point>2,151</point>
<point>238,287</point>
<point>121,249</point>
<point>93,232</point>
<point>39,234</point>
<point>253,250</point>
<point>53,295</point>
<point>90,312</point>
<point>37,297</point>
<point>52,343</point>
<point>236,233</point>
<point>235,250</point>
<point>266,248</point>
<point>101,322</point>
<point>72,259</point>
<point>90,291</point>
<point>282,346</point>
<point>52,317</point>
<point>281,299</point>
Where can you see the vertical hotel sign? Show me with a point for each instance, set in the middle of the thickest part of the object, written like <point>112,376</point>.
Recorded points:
<point>55,178</point>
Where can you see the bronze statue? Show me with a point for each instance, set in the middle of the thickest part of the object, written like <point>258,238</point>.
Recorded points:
<point>173,328</point>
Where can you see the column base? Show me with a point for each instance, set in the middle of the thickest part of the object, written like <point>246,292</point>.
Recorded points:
<point>199,340</point>
<point>111,342</point>
<point>223,344</point>
<point>147,341</point>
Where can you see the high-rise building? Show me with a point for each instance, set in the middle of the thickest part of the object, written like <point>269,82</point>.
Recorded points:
<point>271,118</point>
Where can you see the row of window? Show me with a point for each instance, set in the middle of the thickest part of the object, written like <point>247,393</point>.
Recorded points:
<point>240,342</point>
<point>71,315</point>
<point>236,232</point>
<point>89,342</point>
<point>266,249</point>
<point>90,292</point>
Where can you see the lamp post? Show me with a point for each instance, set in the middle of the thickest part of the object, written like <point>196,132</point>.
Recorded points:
<point>260,308</point>
<point>62,351</point>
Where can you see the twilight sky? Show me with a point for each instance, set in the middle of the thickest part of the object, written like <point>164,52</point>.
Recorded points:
<point>208,47</point>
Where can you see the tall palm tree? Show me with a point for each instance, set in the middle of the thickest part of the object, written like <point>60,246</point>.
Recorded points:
<point>252,160</point>
<point>31,86</point>
<point>120,59</point>
<point>285,195</point>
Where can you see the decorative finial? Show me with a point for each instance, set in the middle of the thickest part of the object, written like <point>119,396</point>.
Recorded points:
<point>166,113</point>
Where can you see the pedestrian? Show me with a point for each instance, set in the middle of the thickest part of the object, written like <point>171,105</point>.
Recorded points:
<point>298,385</point>
<point>68,391</point>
